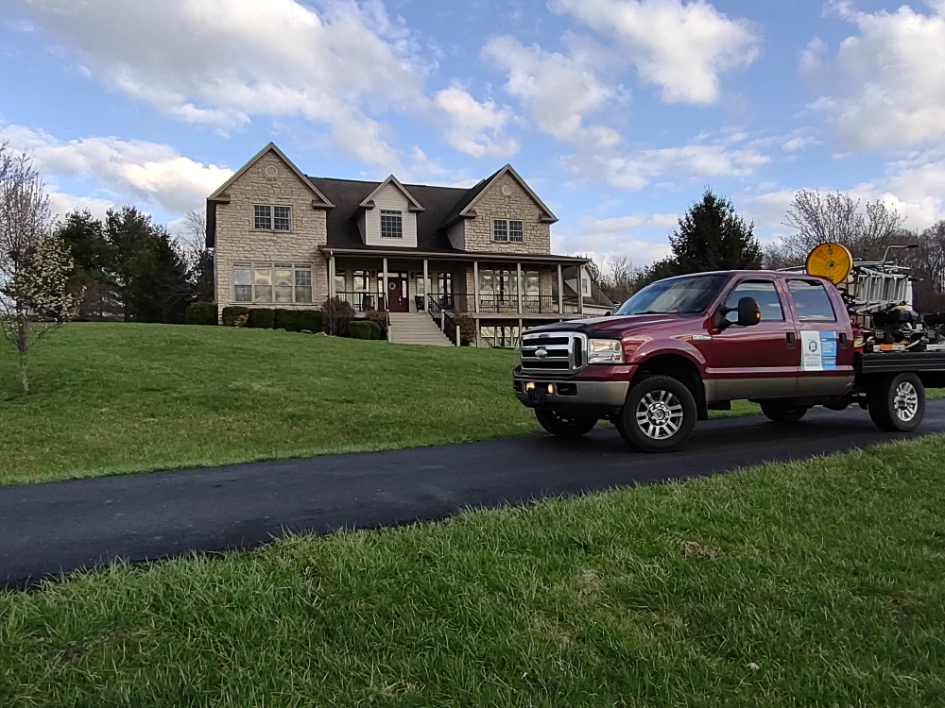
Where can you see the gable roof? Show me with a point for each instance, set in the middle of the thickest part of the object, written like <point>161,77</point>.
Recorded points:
<point>466,209</point>
<point>368,202</point>
<point>220,193</point>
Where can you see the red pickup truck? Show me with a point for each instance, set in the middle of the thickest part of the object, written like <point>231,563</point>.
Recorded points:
<point>687,345</point>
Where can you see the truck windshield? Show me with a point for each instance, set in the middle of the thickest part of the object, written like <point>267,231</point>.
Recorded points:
<point>681,296</point>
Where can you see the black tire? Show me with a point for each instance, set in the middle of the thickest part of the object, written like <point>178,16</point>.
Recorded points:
<point>659,415</point>
<point>783,412</point>
<point>564,425</point>
<point>897,402</point>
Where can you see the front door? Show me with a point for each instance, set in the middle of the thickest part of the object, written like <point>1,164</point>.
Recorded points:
<point>396,299</point>
<point>759,362</point>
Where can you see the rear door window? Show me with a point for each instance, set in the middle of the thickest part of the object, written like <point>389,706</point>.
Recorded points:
<point>764,292</point>
<point>811,301</point>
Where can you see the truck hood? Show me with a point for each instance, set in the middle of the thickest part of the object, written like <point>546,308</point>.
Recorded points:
<point>604,326</point>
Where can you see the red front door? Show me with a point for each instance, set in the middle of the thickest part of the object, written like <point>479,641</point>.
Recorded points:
<point>396,299</point>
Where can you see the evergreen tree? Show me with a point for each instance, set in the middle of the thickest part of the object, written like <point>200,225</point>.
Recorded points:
<point>711,236</point>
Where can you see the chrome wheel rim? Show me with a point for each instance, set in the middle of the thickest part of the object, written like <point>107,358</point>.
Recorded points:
<point>659,415</point>
<point>906,402</point>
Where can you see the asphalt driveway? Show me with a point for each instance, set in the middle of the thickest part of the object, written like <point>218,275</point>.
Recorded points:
<point>57,527</point>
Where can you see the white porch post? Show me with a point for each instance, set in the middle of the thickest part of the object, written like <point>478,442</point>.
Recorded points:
<point>518,287</point>
<point>331,276</point>
<point>426,281</point>
<point>459,341</point>
<point>560,291</point>
<point>476,290</point>
<point>520,328</point>
<point>386,292</point>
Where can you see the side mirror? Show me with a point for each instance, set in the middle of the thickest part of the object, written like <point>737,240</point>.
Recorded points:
<point>749,314</point>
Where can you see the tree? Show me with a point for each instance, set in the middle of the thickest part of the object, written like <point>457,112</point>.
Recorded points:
<point>94,265</point>
<point>710,236</point>
<point>928,267</point>
<point>35,265</point>
<point>618,279</point>
<point>199,257</point>
<point>836,218</point>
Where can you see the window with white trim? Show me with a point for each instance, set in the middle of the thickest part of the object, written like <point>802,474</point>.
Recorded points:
<point>506,230</point>
<point>272,218</point>
<point>392,223</point>
<point>279,283</point>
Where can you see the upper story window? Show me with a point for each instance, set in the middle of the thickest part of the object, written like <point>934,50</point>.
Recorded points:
<point>392,224</point>
<point>585,286</point>
<point>273,218</point>
<point>508,230</point>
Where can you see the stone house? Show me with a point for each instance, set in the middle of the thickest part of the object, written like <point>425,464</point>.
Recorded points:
<point>422,254</point>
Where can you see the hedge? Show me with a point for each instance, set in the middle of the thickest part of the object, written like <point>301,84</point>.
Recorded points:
<point>201,313</point>
<point>288,320</point>
<point>262,318</point>
<point>361,329</point>
<point>310,320</point>
<point>231,313</point>
<point>377,332</point>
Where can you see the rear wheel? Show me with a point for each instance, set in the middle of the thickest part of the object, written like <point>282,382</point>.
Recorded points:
<point>659,415</point>
<point>897,403</point>
<point>783,413</point>
<point>564,425</point>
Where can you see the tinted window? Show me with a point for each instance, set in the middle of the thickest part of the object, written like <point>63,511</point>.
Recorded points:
<point>811,301</point>
<point>684,296</point>
<point>765,293</point>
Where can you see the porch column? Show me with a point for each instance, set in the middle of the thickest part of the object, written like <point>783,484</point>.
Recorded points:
<point>476,292</point>
<point>426,282</point>
<point>520,329</point>
<point>518,288</point>
<point>386,295</point>
<point>581,289</point>
<point>560,291</point>
<point>331,276</point>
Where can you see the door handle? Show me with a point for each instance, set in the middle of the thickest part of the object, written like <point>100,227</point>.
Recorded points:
<point>791,340</point>
<point>843,340</point>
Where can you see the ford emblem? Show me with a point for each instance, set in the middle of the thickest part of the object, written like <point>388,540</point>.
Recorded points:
<point>542,353</point>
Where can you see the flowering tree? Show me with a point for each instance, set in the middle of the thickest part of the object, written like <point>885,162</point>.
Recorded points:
<point>34,265</point>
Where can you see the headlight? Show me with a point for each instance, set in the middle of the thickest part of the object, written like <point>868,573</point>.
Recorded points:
<point>605,351</point>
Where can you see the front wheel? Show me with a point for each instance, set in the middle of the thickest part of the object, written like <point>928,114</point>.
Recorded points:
<point>897,403</point>
<point>659,415</point>
<point>783,413</point>
<point>563,425</point>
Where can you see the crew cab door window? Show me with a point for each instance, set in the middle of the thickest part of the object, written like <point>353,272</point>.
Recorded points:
<point>764,292</point>
<point>811,301</point>
<point>823,340</point>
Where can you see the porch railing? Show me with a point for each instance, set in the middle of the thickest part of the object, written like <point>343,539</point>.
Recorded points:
<point>361,301</point>
<point>508,304</point>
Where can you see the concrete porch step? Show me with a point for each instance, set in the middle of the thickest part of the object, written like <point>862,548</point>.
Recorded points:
<point>416,328</point>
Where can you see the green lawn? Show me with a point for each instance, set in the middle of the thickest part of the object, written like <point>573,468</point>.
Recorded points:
<point>811,584</point>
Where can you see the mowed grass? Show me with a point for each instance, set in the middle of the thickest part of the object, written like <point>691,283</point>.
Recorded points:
<point>116,398</point>
<point>811,584</point>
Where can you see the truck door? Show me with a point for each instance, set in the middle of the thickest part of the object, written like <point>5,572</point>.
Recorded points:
<point>759,362</point>
<point>826,367</point>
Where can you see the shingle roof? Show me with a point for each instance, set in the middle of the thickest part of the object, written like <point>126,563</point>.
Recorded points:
<point>347,195</point>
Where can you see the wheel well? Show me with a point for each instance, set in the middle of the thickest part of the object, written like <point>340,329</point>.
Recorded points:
<point>679,367</point>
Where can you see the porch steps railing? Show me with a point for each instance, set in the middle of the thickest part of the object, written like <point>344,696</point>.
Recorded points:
<point>416,328</point>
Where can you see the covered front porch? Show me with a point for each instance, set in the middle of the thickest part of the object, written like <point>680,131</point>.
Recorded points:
<point>486,286</point>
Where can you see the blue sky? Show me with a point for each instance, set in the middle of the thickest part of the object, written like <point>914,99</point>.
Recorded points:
<point>618,112</point>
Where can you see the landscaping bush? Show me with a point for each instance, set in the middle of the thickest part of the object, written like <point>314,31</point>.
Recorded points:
<point>361,329</point>
<point>336,315</point>
<point>310,320</point>
<point>467,329</point>
<point>230,314</point>
<point>380,319</point>
<point>262,318</point>
<point>289,320</point>
<point>201,313</point>
<point>376,331</point>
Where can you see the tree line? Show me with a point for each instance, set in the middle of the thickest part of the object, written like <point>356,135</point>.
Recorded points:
<point>712,236</point>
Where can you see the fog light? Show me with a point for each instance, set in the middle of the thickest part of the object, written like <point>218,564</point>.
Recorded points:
<point>530,386</point>
<point>551,388</point>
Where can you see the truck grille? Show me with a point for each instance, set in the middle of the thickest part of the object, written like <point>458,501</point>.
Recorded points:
<point>553,352</point>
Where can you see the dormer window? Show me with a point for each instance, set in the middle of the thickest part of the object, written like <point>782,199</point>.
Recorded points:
<point>273,218</point>
<point>506,230</point>
<point>392,223</point>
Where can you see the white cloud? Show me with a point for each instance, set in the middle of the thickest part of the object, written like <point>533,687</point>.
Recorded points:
<point>683,48</point>
<point>153,173</point>
<point>224,62</point>
<point>475,128</point>
<point>886,85</point>
<point>640,237</point>
<point>558,90</point>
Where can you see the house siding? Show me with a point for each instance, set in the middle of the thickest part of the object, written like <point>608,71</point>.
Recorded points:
<point>390,198</point>
<point>518,205</point>
<point>237,241</point>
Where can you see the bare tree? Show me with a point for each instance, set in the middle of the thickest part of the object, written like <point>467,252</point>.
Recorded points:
<point>836,218</point>
<point>34,265</point>
<point>928,267</point>
<point>193,236</point>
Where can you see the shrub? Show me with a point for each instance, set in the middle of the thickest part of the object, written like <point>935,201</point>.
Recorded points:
<point>467,329</point>
<point>231,313</point>
<point>262,318</point>
<point>380,319</point>
<point>201,313</point>
<point>336,316</point>
<point>289,320</point>
<point>376,331</point>
<point>310,320</point>
<point>361,329</point>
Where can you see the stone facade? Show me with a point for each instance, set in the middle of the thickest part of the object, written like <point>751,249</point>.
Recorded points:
<point>518,205</point>
<point>269,181</point>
